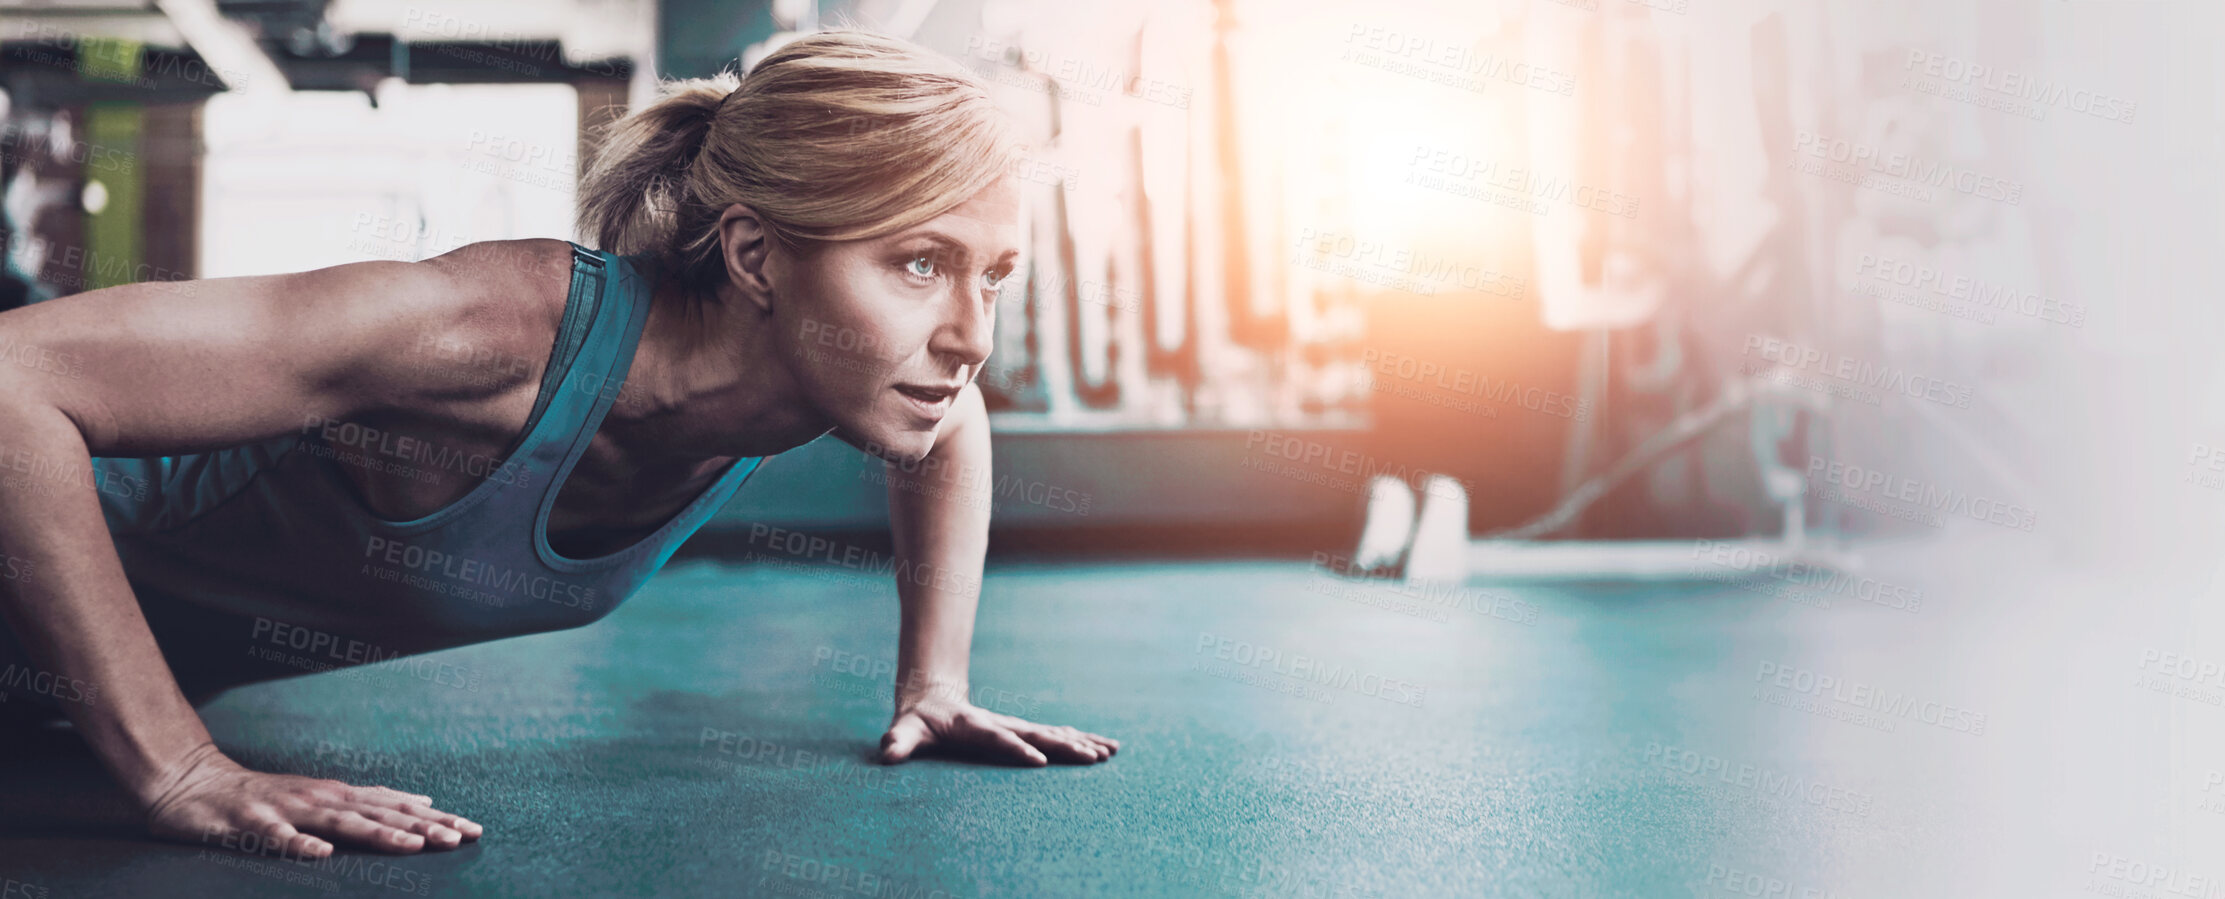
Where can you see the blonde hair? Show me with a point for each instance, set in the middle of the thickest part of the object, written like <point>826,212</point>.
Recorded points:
<point>838,135</point>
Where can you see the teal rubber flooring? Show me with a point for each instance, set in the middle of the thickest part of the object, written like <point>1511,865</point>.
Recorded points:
<point>1285,733</point>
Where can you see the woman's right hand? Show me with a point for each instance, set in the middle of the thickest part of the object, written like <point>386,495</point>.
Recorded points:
<point>213,799</point>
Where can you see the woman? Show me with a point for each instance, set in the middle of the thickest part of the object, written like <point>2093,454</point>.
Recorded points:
<point>387,458</point>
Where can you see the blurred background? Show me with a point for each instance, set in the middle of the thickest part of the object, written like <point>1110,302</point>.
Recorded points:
<point>1506,243</point>
<point>1918,292</point>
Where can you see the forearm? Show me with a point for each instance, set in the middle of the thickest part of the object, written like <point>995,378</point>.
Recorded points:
<point>71,607</point>
<point>939,515</point>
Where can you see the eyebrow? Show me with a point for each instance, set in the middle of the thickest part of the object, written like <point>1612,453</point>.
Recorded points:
<point>954,244</point>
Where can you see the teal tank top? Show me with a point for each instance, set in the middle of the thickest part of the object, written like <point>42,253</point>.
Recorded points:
<point>262,561</point>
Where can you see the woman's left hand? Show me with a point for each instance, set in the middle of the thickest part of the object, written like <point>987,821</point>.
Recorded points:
<point>957,726</point>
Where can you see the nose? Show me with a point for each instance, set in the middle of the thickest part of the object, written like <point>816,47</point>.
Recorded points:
<point>969,333</point>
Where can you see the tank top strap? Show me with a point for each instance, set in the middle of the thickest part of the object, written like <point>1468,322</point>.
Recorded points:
<point>588,277</point>
<point>596,355</point>
<point>592,383</point>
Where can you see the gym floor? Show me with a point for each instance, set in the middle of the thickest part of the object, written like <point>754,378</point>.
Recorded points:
<point>713,737</point>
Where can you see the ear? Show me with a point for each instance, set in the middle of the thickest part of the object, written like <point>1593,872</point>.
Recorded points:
<point>747,249</point>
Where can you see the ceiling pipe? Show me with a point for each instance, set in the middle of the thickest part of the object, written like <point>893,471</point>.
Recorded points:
<point>225,47</point>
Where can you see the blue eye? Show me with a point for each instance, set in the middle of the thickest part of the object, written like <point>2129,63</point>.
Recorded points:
<point>995,279</point>
<point>909,267</point>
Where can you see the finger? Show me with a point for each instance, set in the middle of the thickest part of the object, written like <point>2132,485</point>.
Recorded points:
<point>389,797</point>
<point>1098,752</point>
<point>1088,740</point>
<point>356,829</point>
<point>437,835</point>
<point>1010,744</point>
<point>1111,745</point>
<point>457,823</point>
<point>902,739</point>
<point>1060,746</point>
<point>293,842</point>
<point>420,807</point>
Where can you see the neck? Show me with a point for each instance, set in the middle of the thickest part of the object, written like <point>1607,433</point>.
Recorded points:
<point>708,382</point>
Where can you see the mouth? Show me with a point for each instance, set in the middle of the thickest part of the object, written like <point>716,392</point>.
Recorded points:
<point>932,401</point>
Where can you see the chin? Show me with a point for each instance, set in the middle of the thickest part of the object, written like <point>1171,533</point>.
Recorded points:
<point>904,446</point>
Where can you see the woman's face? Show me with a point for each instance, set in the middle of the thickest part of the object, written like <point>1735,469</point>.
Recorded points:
<point>882,334</point>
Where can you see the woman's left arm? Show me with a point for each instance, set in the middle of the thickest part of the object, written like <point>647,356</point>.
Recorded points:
<point>939,513</point>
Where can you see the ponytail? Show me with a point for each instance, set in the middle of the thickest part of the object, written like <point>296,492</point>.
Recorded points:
<point>838,135</point>
<point>633,191</point>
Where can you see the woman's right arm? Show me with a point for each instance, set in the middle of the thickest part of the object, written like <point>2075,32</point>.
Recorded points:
<point>176,367</point>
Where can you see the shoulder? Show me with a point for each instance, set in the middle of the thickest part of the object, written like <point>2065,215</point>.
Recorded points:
<point>505,276</point>
<point>477,320</point>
